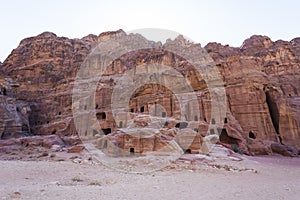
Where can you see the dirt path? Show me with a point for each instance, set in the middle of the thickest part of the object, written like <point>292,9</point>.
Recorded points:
<point>269,178</point>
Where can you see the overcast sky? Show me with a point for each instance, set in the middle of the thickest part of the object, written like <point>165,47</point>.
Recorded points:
<point>227,22</point>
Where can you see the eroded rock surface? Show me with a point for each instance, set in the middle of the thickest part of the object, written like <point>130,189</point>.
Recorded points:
<point>14,121</point>
<point>261,78</point>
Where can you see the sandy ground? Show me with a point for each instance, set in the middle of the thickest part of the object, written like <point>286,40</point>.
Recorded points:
<point>273,177</point>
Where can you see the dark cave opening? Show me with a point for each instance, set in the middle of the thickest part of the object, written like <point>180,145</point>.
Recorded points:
<point>131,150</point>
<point>106,131</point>
<point>252,135</point>
<point>24,127</point>
<point>142,109</point>
<point>213,121</point>
<point>225,120</point>
<point>188,151</point>
<point>273,110</point>
<point>181,125</point>
<point>166,124</point>
<point>226,139</point>
<point>101,115</point>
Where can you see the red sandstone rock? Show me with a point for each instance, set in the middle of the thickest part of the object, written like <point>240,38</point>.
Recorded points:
<point>43,141</point>
<point>51,140</point>
<point>284,150</point>
<point>71,140</point>
<point>262,82</point>
<point>76,149</point>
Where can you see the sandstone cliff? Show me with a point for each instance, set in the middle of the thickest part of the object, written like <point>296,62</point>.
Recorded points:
<point>262,82</point>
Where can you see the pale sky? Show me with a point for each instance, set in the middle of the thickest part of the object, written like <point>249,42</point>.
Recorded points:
<point>227,22</point>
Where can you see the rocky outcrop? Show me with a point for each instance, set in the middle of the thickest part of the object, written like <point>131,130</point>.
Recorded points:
<point>44,67</point>
<point>262,83</point>
<point>145,136</point>
<point>14,113</point>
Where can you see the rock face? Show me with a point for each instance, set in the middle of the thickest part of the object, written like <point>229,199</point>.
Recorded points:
<point>142,138</point>
<point>262,83</point>
<point>45,66</point>
<point>13,113</point>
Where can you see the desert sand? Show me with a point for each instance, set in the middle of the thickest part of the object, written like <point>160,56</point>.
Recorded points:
<point>271,177</point>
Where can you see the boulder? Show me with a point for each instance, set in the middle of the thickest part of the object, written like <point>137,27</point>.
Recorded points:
<point>76,149</point>
<point>259,149</point>
<point>284,150</point>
